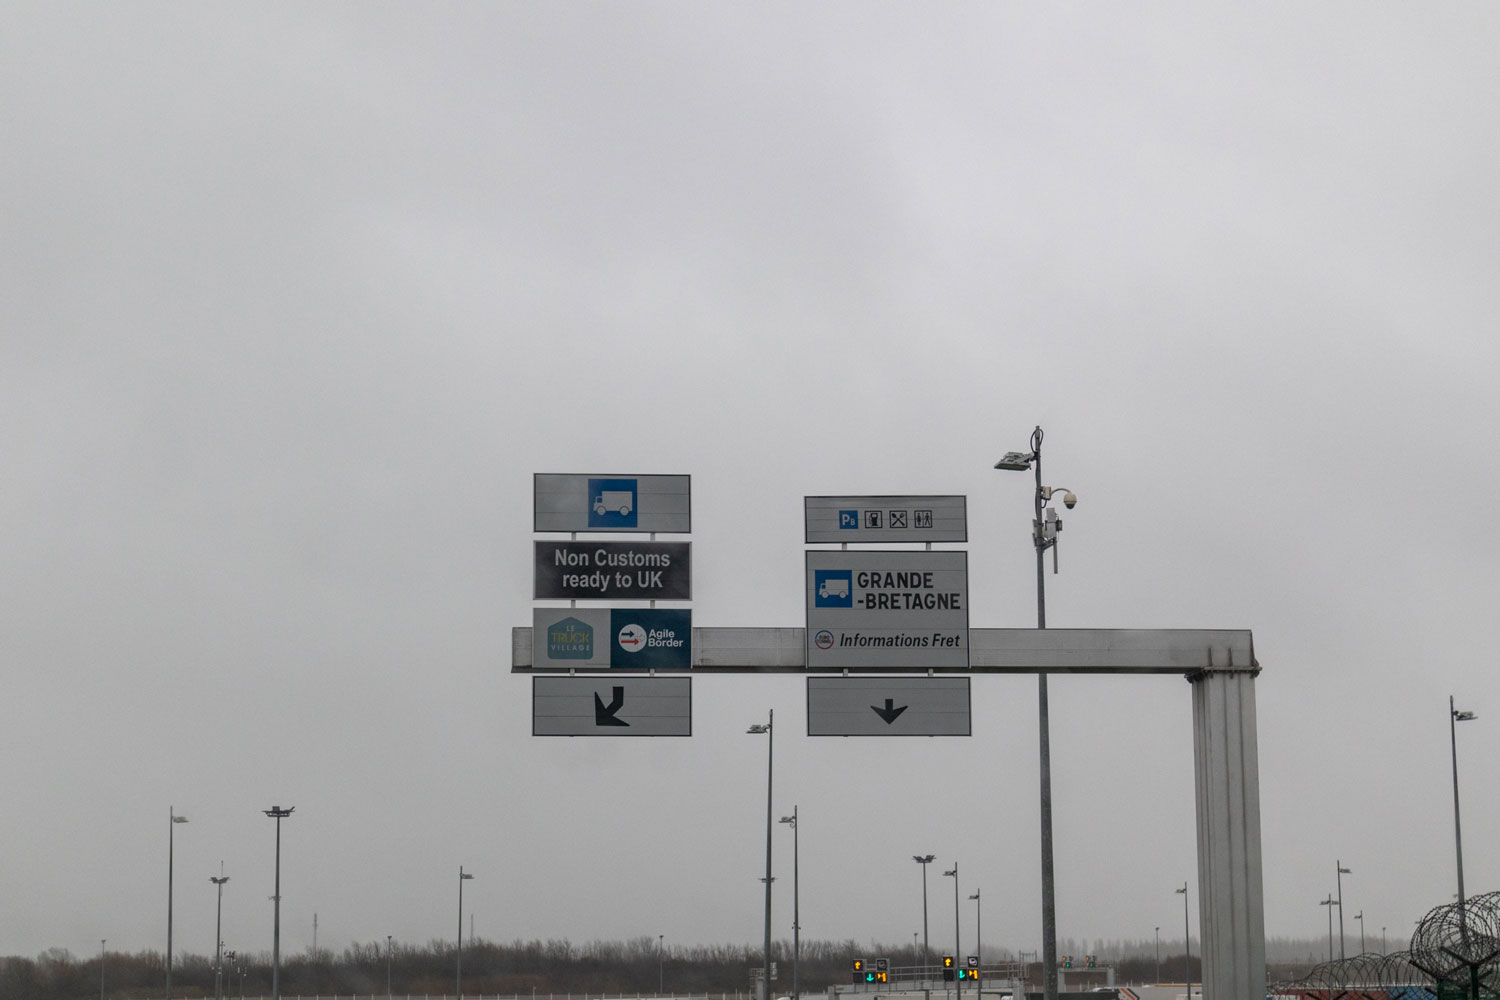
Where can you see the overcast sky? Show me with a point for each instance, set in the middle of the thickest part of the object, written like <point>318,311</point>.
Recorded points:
<point>295,299</point>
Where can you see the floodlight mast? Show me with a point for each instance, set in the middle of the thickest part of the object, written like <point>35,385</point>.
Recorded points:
<point>1045,528</point>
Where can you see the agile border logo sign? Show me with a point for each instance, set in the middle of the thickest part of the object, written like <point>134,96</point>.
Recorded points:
<point>613,638</point>
<point>595,502</point>
<point>887,609</point>
<point>884,519</point>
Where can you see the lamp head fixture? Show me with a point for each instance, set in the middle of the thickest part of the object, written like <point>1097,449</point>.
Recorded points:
<point>1461,716</point>
<point>1016,461</point>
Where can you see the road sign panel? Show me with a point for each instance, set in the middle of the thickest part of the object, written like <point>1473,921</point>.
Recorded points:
<point>612,571</point>
<point>612,503</point>
<point>883,609</point>
<point>611,706</point>
<point>884,519</point>
<point>613,638</point>
<point>888,706</point>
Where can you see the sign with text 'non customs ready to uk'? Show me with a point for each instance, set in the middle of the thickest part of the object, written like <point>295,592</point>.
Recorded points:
<point>883,609</point>
<point>609,571</point>
<point>612,503</point>
<point>885,519</point>
<point>612,638</point>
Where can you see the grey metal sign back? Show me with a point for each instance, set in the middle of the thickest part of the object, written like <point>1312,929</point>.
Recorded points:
<point>888,706</point>
<point>611,706</point>
<point>887,609</point>
<point>881,520</point>
<point>596,502</point>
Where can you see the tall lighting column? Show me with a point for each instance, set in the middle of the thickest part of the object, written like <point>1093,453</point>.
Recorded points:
<point>796,915</point>
<point>278,814</point>
<point>1342,871</point>
<point>1187,945</point>
<point>978,947</point>
<point>1455,716</point>
<point>958,951</point>
<point>101,967</point>
<point>462,878</point>
<point>1330,902</point>
<point>924,860</point>
<point>1044,536</point>
<point>219,935</point>
<point>1158,954</point>
<point>171,829</point>
<point>768,730</point>
<point>388,967</point>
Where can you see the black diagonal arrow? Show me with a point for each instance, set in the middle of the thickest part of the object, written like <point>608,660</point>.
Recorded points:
<point>889,713</point>
<point>604,715</point>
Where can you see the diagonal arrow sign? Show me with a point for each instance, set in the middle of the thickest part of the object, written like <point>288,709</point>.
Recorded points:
<point>889,713</point>
<point>604,715</point>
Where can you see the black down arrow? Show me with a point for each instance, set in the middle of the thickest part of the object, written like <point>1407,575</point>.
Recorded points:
<point>889,713</point>
<point>604,715</point>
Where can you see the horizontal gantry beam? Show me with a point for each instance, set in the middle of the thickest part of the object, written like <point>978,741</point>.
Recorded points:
<point>991,651</point>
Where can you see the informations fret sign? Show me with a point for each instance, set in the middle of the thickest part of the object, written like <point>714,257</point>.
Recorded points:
<point>885,609</point>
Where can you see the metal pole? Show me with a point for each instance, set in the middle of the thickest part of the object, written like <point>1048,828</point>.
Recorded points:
<point>462,877</point>
<point>661,964</point>
<point>278,814</point>
<point>173,820</point>
<point>978,947</point>
<point>1342,871</point>
<point>1158,954</point>
<point>388,967</point>
<point>924,860</point>
<point>218,935</point>
<point>770,750</point>
<point>1187,944</point>
<point>1458,841</point>
<point>101,968</point>
<point>1049,904</point>
<point>958,950</point>
<point>796,910</point>
<point>1360,916</point>
<point>1329,903</point>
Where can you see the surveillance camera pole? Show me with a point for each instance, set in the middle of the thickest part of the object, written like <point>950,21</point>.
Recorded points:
<point>1044,737</point>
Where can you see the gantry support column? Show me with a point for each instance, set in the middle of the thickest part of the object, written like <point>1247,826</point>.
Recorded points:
<point>1231,902</point>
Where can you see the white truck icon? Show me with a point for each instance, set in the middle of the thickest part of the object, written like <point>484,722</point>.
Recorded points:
<point>836,587</point>
<point>618,500</point>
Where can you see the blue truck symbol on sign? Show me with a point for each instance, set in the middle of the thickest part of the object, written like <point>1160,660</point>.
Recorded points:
<point>834,588</point>
<point>612,503</point>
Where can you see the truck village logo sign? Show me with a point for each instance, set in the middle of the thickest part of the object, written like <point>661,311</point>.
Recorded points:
<point>570,639</point>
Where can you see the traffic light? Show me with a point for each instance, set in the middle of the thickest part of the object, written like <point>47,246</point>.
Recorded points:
<point>968,974</point>
<point>948,969</point>
<point>1067,961</point>
<point>859,965</point>
<point>882,977</point>
<point>1088,960</point>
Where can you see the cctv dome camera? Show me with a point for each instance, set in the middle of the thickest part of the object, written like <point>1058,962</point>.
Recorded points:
<point>1070,500</point>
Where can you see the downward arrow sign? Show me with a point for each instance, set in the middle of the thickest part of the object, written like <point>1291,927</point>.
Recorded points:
<point>604,715</point>
<point>889,713</point>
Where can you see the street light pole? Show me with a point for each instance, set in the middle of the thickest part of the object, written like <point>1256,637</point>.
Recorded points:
<point>1329,902</point>
<point>388,967</point>
<point>924,860</point>
<point>171,830</point>
<point>462,878</point>
<point>978,947</point>
<point>1360,916</point>
<point>767,729</point>
<point>1158,954</point>
<point>661,963</point>
<point>1187,945</point>
<point>218,935</point>
<point>958,951</point>
<point>1044,536</point>
<point>1455,716</point>
<point>796,914</point>
<point>1342,871</point>
<point>101,968</point>
<point>278,814</point>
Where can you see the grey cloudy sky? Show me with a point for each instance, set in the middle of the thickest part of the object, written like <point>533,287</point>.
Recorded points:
<point>297,298</point>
